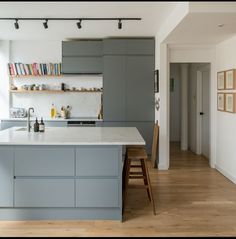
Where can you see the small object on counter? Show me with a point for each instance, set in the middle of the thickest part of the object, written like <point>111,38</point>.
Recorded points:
<point>62,86</point>
<point>41,126</point>
<point>53,111</point>
<point>13,87</point>
<point>36,125</point>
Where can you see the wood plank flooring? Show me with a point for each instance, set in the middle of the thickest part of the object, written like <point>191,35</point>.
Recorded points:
<point>191,200</point>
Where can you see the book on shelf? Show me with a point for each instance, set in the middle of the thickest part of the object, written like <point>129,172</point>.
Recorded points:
<point>34,69</point>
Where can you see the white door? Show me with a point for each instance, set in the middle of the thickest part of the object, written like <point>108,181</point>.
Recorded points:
<point>205,146</point>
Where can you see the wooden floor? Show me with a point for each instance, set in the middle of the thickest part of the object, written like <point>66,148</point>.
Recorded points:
<point>191,200</point>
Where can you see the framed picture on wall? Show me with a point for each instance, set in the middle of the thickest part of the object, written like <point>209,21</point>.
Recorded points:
<point>230,80</point>
<point>230,104</point>
<point>221,80</point>
<point>156,81</point>
<point>221,101</point>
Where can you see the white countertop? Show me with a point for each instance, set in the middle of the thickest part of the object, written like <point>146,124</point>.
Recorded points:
<point>54,119</point>
<point>73,136</point>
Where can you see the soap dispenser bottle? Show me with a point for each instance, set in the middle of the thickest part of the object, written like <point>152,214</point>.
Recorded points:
<point>36,125</point>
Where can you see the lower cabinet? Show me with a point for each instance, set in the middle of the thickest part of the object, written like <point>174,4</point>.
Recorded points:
<point>97,192</point>
<point>6,176</point>
<point>44,193</point>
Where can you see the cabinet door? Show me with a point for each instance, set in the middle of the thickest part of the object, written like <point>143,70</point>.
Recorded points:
<point>114,88</point>
<point>140,88</point>
<point>97,192</point>
<point>146,130</point>
<point>114,46</point>
<point>80,64</point>
<point>44,192</point>
<point>6,176</point>
<point>140,46</point>
<point>82,48</point>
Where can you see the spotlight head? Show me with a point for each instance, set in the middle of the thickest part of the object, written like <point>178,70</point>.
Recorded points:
<point>119,24</point>
<point>45,24</point>
<point>79,24</point>
<point>16,24</point>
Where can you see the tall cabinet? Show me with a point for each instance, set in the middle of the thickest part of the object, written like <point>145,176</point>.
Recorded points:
<point>128,83</point>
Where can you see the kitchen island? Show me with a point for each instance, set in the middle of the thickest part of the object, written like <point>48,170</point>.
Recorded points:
<point>63,173</point>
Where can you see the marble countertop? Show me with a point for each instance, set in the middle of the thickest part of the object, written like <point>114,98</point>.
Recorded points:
<point>73,136</point>
<point>54,119</point>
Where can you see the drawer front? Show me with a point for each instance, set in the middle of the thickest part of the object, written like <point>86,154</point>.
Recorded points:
<point>81,64</point>
<point>6,176</point>
<point>44,161</point>
<point>82,48</point>
<point>97,161</point>
<point>97,193</point>
<point>44,193</point>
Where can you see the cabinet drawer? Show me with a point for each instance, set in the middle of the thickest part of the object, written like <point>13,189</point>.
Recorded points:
<point>97,161</point>
<point>44,161</point>
<point>82,48</point>
<point>73,65</point>
<point>97,193</point>
<point>44,193</point>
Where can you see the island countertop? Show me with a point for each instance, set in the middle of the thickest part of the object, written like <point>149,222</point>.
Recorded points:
<point>73,136</point>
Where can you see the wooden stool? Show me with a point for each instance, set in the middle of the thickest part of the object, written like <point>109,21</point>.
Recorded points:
<point>137,155</point>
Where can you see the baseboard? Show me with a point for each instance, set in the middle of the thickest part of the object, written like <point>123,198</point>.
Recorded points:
<point>162,167</point>
<point>226,174</point>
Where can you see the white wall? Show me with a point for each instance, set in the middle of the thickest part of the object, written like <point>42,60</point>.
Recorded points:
<point>4,83</point>
<point>175,104</point>
<point>226,122</point>
<point>83,104</point>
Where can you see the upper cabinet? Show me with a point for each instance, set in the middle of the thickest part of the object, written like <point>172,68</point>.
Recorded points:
<point>82,57</point>
<point>138,46</point>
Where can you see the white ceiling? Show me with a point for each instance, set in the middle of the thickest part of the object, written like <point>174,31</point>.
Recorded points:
<point>202,28</point>
<point>152,13</point>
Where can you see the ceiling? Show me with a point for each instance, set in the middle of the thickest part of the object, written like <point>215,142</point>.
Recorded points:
<point>202,28</point>
<point>153,14</point>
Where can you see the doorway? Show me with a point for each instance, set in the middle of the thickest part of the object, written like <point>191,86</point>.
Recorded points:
<point>190,107</point>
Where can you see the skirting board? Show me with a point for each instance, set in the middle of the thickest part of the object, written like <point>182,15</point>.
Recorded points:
<point>226,174</point>
<point>60,214</point>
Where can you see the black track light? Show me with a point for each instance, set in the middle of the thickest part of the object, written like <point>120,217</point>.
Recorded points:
<point>79,24</point>
<point>16,24</point>
<point>119,24</point>
<point>45,24</point>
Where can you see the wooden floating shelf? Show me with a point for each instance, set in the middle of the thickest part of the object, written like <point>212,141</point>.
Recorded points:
<point>54,91</point>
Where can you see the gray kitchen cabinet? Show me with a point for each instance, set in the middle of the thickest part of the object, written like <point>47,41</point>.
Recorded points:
<point>114,88</point>
<point>6,176</point>
<point>35,192</point>
<point>84,56</point>
<point>82,64</point>
<point>140,88</point>
<point>140,47</point>
<point>82,48</point>
<point>55,123</point>
<point>129,46</point>
<point>106,163</point>
<point>114,46</point>
<point>100,192</point>
<point>44,161</point>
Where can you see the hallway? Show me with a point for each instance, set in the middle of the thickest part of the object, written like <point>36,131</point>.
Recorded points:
<point>191,200</point>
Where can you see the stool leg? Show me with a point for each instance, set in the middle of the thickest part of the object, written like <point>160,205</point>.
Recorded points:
<point>127,169</point>
<point>145,177</point>
<point>150,188</point>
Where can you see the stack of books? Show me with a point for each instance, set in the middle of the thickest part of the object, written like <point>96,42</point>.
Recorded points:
<point>17,69</point>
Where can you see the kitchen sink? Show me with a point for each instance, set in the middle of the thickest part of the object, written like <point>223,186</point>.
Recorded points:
<point>21,129</point>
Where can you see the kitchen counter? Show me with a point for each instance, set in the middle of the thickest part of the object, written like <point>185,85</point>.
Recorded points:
<point>63,173</point>
<point>73,136</point>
